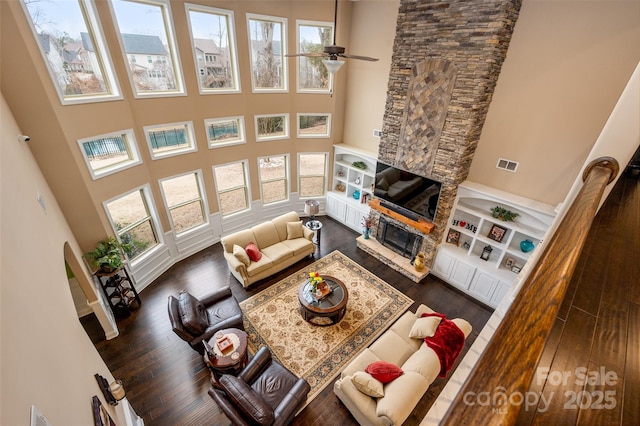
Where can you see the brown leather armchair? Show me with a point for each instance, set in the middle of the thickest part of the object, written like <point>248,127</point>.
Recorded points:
<point>195,320</point>
<point>264,393</point>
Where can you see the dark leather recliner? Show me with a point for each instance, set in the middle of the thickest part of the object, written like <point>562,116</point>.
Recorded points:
<point>264,393</point>
<point>195,320</point>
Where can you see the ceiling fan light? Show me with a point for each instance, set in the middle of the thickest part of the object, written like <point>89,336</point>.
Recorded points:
<point>332,65</point>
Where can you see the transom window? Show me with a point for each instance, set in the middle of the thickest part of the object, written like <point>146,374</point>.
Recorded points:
<point>184,200</point>
<point>313,76</point>
<point>110,153</point>
<point>166,140</point>
<point>272,126</point>
<point>214,46</point>
<point>148,43</point>
<point>225,131</point>
<point>312,171</point>
<point>274,182</point>
<point>314,125</point>
<point>267,47</point>
<point>72,45</point>
<point>132,220</point>
<point>232,187</point>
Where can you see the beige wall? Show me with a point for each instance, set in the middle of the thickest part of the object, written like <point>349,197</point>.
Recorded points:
<point>47,359</point>
<point>566,67</point>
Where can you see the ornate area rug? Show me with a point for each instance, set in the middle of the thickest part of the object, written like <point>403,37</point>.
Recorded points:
<point>319,353</point>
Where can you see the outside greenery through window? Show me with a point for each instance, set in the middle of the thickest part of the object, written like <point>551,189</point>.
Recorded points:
<point>312,171</point>
<point>267,47</point>
<point>213,41</point>
<point>312,74</point>
<point>314,125</point>
<point>273,179</point>
<point>231,186</point>
<point>74,50</point>
<point>183,197</point>
<point>146,33</point>
<point>272,126</point>
<point>131,217</point>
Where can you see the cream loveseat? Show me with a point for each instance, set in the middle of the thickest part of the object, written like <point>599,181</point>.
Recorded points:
<point>419,363</point>
<point>282,242</point>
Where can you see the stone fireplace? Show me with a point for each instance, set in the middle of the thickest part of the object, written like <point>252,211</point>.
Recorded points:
<point>446,61</point>
<point>399,239</point>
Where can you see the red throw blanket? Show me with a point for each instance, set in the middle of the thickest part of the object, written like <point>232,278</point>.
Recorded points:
<point>447,342</point>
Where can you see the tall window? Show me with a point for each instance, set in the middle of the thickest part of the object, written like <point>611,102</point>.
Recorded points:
<point>214,48</point>
<point>274,182</point>
<point>132,219</point>
<point>312,169</point>
<point>312,74</point>
<point>267,47</point>
<point>166,140</point>
<point>232,187</point>
<point>110,153</point>
<point>148,43</point>
<point>72,44</point>
<point>184,200</point>
<point>225,131</point>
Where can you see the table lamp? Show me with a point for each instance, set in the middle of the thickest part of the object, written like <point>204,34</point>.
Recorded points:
<point>312,208</point>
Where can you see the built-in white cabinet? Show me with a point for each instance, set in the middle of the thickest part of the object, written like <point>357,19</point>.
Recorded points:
<point>351,184</point>
<point>481,254</point>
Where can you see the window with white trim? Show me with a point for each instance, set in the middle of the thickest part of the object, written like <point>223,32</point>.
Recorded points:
<point>224,131</point>
<point>312,172</point>
<point>274,178</point>
<point>267,47</point>
<point>166,140</point>
<point>213,41</point>
<point>73,47</point>
<point>184,200</point>
<point>313,76</point>
<point>148,43</point>
<point>110,153</point>
<point>232,187</point>
<point>314,125</point>
<point>271,127</point>
<point>133,218</point>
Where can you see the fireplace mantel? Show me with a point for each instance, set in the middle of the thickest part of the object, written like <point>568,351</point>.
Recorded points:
<point>421,225</point>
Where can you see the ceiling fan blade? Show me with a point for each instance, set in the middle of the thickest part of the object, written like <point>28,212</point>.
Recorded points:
<point>362,58</point>
<point>308,55</point>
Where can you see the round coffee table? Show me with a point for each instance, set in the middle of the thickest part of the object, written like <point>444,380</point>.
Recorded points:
<point>327,310</point>
<point>232,359</point>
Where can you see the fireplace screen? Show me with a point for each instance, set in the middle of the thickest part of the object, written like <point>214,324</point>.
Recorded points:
<point>398,239</point>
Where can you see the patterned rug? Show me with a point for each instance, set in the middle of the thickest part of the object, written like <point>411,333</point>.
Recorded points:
<point>313,352</point>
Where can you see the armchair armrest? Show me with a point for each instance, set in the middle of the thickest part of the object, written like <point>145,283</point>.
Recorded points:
<point>227,408</point>
<point>216,295</point>
<point>290,404</point>
<point>261,359</point>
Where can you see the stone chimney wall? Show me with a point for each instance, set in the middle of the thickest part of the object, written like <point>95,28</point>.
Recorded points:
<point>446,62</point>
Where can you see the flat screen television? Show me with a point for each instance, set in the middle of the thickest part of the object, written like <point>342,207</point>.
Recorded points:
<point>407,193</point>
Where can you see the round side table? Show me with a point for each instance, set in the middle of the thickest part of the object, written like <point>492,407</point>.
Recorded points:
<point>315,226</point>
<point>232,359</point>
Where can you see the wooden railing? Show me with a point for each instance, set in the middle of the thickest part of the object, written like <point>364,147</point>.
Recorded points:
<point>506,366</point>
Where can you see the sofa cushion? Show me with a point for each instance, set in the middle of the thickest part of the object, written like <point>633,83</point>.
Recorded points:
<point>248,401</point>
<point>384,371</point>
<point>241,254</point>
<point>266,234</point>
<point>425,362</point>
<point>192,313</point>
<point>294,230</point>
<point>299,246</point>
<point>394,348</point>
<point>281,221</point>
<point>367,384</point>
<point>253,252</point>
<point>424,327</point>
<point>277,252</point>
<point>241,238</point>
<point>263,264</point>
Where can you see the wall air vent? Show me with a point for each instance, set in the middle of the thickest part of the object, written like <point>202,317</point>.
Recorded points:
<point>507,165</point>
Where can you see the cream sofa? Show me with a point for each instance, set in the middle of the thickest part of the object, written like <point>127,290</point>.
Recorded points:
<point>419,363</point>
<point>282,241</point>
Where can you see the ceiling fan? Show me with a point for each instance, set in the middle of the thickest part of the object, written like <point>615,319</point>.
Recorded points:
<point>333,51</point>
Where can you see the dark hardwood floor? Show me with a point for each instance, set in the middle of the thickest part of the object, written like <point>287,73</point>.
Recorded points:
<point>598,325</point>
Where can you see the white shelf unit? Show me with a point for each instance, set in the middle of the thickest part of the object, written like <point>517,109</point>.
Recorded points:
<point>461,265</point>
<point>348,180</point>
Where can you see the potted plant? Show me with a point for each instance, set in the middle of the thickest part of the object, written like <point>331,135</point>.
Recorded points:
<point>503,214</point>
<point>108,254</point>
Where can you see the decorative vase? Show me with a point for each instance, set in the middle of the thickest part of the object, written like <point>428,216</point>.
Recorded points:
<point>356,195</point>
<point>418,262</point>
<point>366,233</point>
<point>526,245</point>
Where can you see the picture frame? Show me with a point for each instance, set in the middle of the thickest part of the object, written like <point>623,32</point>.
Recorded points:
<point>453,237</point>
<point>497,233</point>
<point>509,262</point>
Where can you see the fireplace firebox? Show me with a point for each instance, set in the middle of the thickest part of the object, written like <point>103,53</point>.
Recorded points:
<point>403,242</point>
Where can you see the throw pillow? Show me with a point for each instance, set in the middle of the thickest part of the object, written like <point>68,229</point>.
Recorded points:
<point>241,254</point>
<point>193,314</point>
<point>367,384</point>
<point>294,230</point>
<point>253,251</point>
<point>383,184</point>
<point>384,371</point>
<point>424,327</point>
<point>247,400</point>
